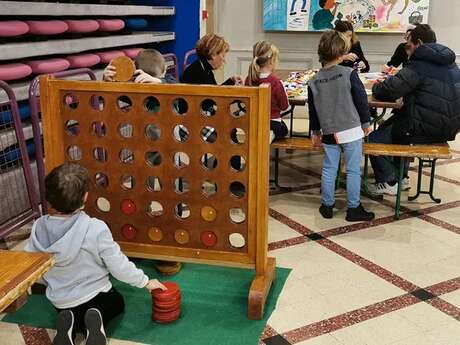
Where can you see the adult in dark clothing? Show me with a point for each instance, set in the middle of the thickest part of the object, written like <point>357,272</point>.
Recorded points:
<point>355,57</point>
<point>211,50</point>
<point>400,55</point>
<point>430,87</point>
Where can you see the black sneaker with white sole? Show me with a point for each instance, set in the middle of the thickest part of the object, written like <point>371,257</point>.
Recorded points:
<point>95,328</point>
<point>64,328</point>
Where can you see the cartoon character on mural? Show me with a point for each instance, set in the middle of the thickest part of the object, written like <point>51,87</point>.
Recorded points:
<point>392,4</point>
<point>303,10</point>
<point>323,18</point>
<point>358,12</point>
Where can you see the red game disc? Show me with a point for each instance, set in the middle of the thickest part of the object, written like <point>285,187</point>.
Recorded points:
<point>167,298</point>
<point>165,322</point>
<point>208,238</point>
<point>167,317</point>
<point>167,306</point>
<point>164,310</point>
<point>172,290</point>
<point>128,231</point>
<point>128,206</point>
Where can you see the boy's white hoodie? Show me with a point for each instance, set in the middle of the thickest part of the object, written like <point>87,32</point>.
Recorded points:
<point>85,254</point>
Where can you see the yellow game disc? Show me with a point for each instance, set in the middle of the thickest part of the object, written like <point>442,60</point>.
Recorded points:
<point>155,234</point>
<point>208,213</point>
<point>181,236</point>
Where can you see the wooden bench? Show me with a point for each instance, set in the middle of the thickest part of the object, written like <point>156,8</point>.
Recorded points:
<point>426,154</point>
<point>18,271</point>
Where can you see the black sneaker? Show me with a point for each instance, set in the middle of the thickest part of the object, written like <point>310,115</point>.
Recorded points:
<point>94,328</point>
<point>64,328</point>
<point>326,211</point>
<point>358,214</point>
<point>293,13</point>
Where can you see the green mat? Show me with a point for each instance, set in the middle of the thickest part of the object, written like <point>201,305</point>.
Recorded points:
<point>214,306</point>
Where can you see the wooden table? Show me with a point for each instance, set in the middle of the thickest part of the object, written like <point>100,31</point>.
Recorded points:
<point>18,271</point>
<point>302,100</point>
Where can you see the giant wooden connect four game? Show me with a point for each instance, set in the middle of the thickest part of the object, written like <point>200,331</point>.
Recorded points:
<point>179,172</point>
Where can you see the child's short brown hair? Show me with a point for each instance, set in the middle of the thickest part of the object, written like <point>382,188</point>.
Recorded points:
<point>151,62</point>
<point>332,45</point>
<point>66,186</point>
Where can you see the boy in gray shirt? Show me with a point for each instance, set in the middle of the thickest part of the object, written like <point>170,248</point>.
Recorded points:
<point>339,119</point>
<point>85,253</point>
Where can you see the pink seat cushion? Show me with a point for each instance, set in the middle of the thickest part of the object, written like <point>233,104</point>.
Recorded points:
<point>82,26</point>
<point>11,28</point>
<point>83,60</point>
<point>108,56</point>
<point>47,27</point>
<point>13,71</point>
<point>132,52</point>
<point>48,65</point>
<point>110,24</point>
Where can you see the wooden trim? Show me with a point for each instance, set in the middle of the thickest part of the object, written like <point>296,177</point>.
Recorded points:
<point>441,151</point>
<point>211,21</point>
<point>172,89</point>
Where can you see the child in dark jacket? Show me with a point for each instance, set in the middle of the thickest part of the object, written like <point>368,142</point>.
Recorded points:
<point>339,119</point>
<point>78,285</point>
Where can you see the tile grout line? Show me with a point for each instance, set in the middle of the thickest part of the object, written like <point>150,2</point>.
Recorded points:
<point>370,266</point>
<point>378,309</point>
<point>407,213</point>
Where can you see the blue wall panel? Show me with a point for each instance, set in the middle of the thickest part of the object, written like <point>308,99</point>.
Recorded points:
<point>186,25</point>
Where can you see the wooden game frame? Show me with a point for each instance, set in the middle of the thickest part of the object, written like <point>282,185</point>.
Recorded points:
<point>257,100</point>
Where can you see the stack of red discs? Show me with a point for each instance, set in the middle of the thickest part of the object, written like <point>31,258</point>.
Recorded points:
<point>166,304</point>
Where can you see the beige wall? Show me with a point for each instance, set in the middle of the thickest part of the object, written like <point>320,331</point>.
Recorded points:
<point>240,21</point>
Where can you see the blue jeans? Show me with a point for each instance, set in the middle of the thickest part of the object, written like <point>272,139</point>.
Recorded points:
<point>293,5</point>
<point>383,167</point>
<point>353,153</point>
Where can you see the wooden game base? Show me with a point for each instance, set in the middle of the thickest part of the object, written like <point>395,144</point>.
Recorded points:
<point>259,290</point>
<point>168,268</point>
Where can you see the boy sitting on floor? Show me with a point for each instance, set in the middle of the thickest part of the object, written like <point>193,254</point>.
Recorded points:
<point>78,285</point>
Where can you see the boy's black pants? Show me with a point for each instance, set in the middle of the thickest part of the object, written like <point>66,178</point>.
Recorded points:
<point>110,304</point>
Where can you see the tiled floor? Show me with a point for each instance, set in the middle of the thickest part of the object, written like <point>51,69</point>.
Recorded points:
<point>385,282</point>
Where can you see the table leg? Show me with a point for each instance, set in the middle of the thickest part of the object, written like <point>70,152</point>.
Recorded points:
<point>419,180</point>
<point>291,122</point>
<point>402,162</point>
<point>365,182</point>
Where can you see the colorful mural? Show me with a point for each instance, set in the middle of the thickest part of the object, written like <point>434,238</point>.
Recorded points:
<point>366,15</point>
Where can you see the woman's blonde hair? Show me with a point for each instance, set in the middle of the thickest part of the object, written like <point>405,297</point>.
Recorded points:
<point>263,53</point>
<point>211,44</point>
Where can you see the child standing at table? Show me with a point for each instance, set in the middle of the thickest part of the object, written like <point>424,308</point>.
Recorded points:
<point>339,119</point>
<point>261,71</point>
